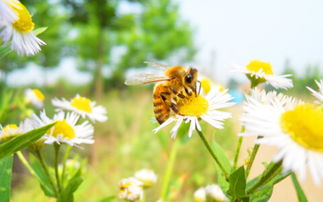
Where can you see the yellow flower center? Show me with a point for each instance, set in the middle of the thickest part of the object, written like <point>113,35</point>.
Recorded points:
<point>24,23</point>
<point>82,103</point>
<point>193,106</point>
<point>64,129</point>
<point>257,65</point>
<point>39,95</point>
<point>304,124</point>
<point>9,131</point>
<point>206,85</point>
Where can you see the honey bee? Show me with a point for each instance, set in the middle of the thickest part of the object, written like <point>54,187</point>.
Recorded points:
<point>177,82</point>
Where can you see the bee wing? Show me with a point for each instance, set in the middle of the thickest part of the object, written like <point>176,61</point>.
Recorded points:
<point>142,78</point>
<point>156,64</point>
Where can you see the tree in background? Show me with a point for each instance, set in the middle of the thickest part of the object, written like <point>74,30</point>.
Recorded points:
<point>156,32</point>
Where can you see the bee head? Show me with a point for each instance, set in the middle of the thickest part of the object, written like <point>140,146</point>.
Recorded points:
<point>191,76</point>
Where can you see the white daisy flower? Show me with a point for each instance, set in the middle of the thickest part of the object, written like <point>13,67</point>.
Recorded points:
<point>200,195</point>
<point>7,14</point>
<point>66,130</point>
<point>291,125</point>
<point>318,94</point>
<point>215,193</point>
<point>258,72</point>
<point>207,84</point>
<point>35,96</point>
<point>19,30</point>
<point>9,131</point>
<point>147,177</point>
<point>82,106</point>
<point>130,189</point>
<point>192,108</point>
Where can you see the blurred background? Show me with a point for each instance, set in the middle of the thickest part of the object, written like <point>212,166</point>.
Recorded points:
<point>93,44</point>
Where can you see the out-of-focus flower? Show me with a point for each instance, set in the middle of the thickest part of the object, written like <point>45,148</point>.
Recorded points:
<point>200,195</point>
<point>16,25</point>
<point>207,85</point>
<point>215,193</point>
<point>147,177</point>
<point>35,96</point>
<point>192,108</point>
<point>9,131</point>
<point>291,125</point>
<point>318,94</point>
<point>66,129</point>
<point>131,189</point>
<point>258,72</point>
<point>84,107</point>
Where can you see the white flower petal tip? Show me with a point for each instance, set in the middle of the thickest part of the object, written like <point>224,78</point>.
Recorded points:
<point>147,177</point>
<point>279,119</point>
<point>35,97</point>
<point>318,94</point>
<point>82,106</point>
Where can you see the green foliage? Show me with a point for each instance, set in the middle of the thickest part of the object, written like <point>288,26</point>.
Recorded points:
<point>23,141</point>
<point>219,152</point>
<point>5,176</point>
<point>71,187</point>
<point>300,193</point>
<point>237,188</point>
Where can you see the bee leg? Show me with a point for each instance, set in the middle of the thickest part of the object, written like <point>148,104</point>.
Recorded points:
<point>173,106</point>
<point>188,92</point>
<point>179,94</point>
<point>200,87</point>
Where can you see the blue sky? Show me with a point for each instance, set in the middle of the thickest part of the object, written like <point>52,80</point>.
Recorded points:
<point>231,32</point>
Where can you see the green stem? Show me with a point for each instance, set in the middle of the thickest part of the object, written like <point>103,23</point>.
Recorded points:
<point>67,152</point>
<point>236,156</point>
<point>25,162</point>
<point>56,148</point>
<point>212,154</point>
<point>44,165</point>
<point>169,169</point>
<point>272,170</point>
<point>252,157</point>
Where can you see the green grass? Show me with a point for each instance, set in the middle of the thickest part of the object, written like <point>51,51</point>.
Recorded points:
<point>126,143</point>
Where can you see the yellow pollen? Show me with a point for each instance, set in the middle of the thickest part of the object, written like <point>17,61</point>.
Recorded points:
<point>64,129</point>
<point>193,106</point>
<point>39,95</point>
<point>257,65</point>
<point>304,124</point>
<point>24,23</point>
<point>82,103</point>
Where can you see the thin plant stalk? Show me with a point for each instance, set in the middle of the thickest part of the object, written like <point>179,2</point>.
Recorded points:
<point>169,169</point>
<point>212,153</point>
<point>237,153</point>
<point>252,157</point>
<point>57,148</point>
<point>67,152</point>
<point>44,165</point>
<point>25,163</point>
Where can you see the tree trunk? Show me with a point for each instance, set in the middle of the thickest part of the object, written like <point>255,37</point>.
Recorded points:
<point>98,77</point>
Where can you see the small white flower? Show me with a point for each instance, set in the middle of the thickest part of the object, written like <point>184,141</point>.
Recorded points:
<point>18,28</point>
<point>293,126</point>
<point>82,106</point>
<point>318,94</point>
<point>66,130</point>
<point>259,72</point>
<point>9,131</point>
<point>131,189</point>
<point>192,108</point>
<point>214,192</point>
<point>147,177</point>
<point>35,96</point>
<point>200,195</point>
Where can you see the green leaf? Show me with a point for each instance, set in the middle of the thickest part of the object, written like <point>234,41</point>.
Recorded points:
<point>5,178</point>
<point>182,132</point>
<point>263,194</point>
<point>237,180</point>
<point>219,152</point>
<point>222,182</point>
<point>71,187</point>
<point>4,50</point>
<point>20,142</point>
<point>40,30</point>
<point>300,193</point>
<point>42,177</point>
<point>108,199</point>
